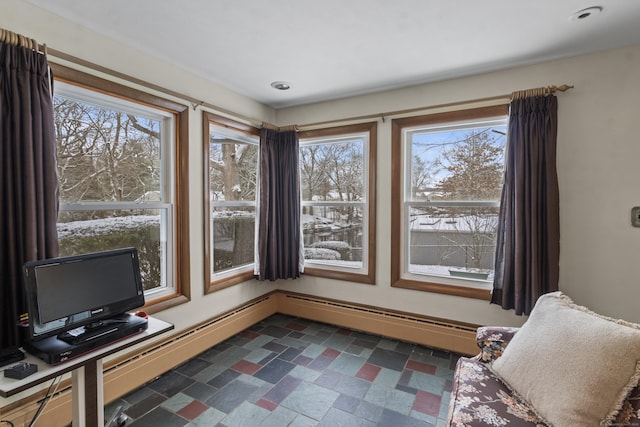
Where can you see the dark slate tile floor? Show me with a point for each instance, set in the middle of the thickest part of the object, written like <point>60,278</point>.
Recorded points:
<point>287,371</point>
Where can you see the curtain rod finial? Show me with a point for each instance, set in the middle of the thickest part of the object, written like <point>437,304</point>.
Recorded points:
<point>564,87</point>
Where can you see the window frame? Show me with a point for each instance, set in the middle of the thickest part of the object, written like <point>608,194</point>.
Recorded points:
<point>178,257</point>
<point>371,128</point>
<point>244,273</point>
<point>399,277</point>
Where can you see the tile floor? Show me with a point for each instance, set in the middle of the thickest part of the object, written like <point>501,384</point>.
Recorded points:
<point>287,371</point>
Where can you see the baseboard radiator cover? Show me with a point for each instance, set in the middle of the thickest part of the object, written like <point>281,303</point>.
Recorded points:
<point>132,370</point>
<point>431,332</point>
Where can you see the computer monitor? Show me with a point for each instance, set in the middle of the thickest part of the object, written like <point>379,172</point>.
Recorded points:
<point>69,292</point>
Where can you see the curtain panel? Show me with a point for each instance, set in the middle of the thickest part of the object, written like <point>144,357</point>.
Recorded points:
<point>528,234</point>
<point>28,181</point>
<point>279,237</point>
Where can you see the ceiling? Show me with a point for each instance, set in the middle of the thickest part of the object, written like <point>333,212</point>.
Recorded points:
<point>329,49</point>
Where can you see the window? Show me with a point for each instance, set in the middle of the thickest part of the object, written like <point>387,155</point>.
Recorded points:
<point>447,181</point>
<point>231,154</point>
<point>337,173</point>
<point>117,156</point>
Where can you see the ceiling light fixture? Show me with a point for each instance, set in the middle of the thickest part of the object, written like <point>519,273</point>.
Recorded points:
<point>586,13</point>
<point>281,85</point>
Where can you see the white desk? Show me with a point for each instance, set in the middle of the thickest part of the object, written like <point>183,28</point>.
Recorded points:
<point>86,371</point>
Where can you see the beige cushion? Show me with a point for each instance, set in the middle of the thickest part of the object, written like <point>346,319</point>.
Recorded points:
<point>575,367</point>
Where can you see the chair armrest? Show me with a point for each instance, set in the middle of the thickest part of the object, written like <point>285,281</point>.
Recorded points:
<point>492,341</point>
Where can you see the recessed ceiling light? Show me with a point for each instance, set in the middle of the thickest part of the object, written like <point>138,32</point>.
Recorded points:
<point>583,14</point>
<point>281,85</point>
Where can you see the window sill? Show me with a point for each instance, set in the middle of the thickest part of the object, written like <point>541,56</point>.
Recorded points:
<point>160,304</point>
<point>440,288</point>
<point>228,281</point>
<point>368,279</point>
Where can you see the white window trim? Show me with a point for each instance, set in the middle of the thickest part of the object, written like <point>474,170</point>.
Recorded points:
<point>345,138</point>
<point>167,183</point>
<point>407,203</point>
<point>240,137</point>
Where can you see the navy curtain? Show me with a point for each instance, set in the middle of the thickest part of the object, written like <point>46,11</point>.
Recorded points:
<point>528,240</point>
<point>279,233</point>
<point>28,182</point>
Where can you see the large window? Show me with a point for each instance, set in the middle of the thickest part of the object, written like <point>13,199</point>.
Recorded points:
<point>117,186</point>
<point>448,176</point>
<point>337,174</point>
<point>231,156</point>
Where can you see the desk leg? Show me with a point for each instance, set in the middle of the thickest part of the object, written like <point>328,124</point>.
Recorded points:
<point>88,395</point>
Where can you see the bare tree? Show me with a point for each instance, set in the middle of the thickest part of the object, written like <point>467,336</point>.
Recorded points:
<point>475,167</point>
<point>311,172</point>
<point>232,169</point>
<point>335,172</point>
<point>105,155</point>
<point>422,177</point>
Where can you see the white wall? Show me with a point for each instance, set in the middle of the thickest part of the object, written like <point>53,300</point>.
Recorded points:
<point>597,152</point>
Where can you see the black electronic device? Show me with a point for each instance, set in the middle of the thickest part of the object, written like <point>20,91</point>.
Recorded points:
<point>10,355</point>
<point>21,370</point>
<point>54,350</point>
<point>78,299</point>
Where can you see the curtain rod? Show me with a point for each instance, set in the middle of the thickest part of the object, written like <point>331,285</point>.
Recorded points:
<point>540,91</point>
<point>195,103</point>
<point>544,90</point>
<point>14,38</point>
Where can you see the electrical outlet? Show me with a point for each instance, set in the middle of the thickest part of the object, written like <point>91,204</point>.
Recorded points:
<point>635,216</point>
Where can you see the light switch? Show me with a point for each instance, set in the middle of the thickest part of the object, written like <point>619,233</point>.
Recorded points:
<point>635,216</point>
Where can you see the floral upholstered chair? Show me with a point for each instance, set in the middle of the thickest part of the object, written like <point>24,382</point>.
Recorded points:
<point>481,397</point>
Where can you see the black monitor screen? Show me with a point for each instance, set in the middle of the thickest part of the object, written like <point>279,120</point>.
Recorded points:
<point>68,292</point>
<point>83,284</point>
